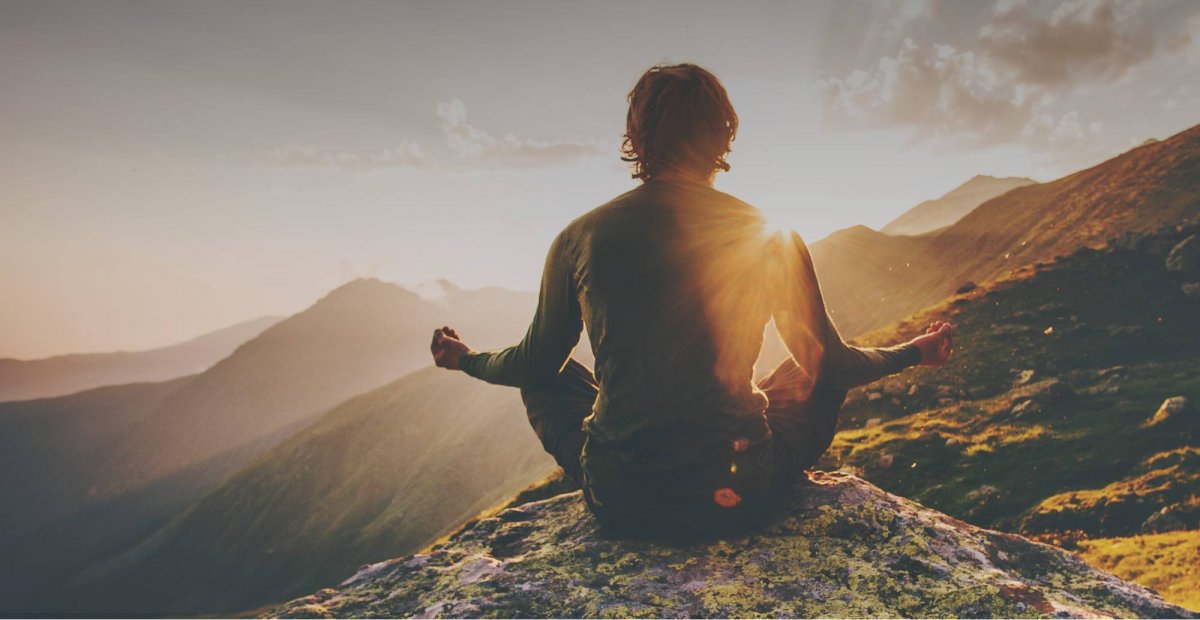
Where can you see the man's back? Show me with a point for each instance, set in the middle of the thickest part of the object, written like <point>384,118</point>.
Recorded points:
<point>675,282</point>
<point>670,278</point>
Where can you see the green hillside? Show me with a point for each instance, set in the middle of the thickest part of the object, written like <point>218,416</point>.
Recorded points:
<point>381,475</point>
<point>1045,421</point>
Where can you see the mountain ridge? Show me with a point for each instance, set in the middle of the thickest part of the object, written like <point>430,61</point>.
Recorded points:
<point>868,285</point>
<point>947,209</point>
<point>59,375</point>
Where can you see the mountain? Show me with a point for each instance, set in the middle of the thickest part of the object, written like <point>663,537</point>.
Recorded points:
<point>872,279</point>
<point>840,547</point>
<point>358,337</point>
<point>1068,413</point>
<point>941,212</point>
<point>176,442</point>
<point>66,374</point>
<point>382,474</point>
<point>49,448</point>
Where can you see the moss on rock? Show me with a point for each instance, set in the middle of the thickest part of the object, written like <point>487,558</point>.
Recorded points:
<point>841,548</point>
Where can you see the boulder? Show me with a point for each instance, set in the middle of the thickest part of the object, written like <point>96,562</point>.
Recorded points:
<point>1170,410</point>
<point>1042,392</point>
<point>1191,290</point>
<point>1184,258</point>
<point>1173,518</point>
<point>1026,407</point>
<point>839,547</point>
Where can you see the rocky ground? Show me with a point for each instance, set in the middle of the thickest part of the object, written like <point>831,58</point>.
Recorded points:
<point>841,548</point>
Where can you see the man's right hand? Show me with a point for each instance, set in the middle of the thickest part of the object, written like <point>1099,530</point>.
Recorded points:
<point>936,344</point>
<point>448,349</point>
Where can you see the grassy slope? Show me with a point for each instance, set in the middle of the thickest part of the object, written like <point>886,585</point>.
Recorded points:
<point>870,281</point>
<point>379,476</point>
<point>954,443</point>
<point>1169,563</point>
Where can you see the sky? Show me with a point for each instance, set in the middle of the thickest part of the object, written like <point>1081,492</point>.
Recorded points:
<point>170,168</point>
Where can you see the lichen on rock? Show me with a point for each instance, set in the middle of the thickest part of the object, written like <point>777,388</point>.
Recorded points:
<point>840,547</point>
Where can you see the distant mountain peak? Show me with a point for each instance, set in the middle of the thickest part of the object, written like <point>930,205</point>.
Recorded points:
<point>360,288</point>
<point>434,290</point>
<point>953,205</point>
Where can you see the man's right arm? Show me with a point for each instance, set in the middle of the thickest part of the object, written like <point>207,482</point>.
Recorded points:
<point>810,334</point>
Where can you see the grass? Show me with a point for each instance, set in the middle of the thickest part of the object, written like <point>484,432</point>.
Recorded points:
<point>1169,563</point>
<point>1114,327</point>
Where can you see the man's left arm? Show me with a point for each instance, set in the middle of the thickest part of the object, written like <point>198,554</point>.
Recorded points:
<point>551,337</point>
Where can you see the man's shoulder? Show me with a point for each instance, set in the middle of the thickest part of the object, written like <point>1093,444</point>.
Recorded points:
<point>607,210</point>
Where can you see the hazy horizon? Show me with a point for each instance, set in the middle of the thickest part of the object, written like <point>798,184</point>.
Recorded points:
<point>172,169</point>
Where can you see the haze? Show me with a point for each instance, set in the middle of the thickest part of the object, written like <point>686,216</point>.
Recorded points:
<point>170,168</point>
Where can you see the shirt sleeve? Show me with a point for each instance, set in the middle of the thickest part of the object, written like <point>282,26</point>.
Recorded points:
<point>551,337</point>
<point>809,332</point>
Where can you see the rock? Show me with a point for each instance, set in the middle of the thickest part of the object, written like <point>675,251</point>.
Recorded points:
<point>1184,258</point>
<point>894,388</point>
<point>967,287</point>
<point>1049,308</point>
<point>873,422</point>
<point>873,396</point>
<point>839,547</point>
<point>952,442</point>
<point>1124,330</point>
<point>1023,378</point>
<point>913,389</point>
<point>1042,392</point>
<point>1026,408</point>
<point>886,460</point>
<point>985,492</point>
<point>1171,409</point>
<point>1009,329</point>
<point>1191,290</point>
<point>1173,518</point>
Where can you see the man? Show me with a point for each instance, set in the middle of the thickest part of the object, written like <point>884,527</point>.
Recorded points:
<point>676,282</point>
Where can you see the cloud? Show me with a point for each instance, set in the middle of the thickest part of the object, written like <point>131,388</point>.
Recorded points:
<point>469,144</point>
<point>407,154</point>
<point>952,96</point>
<point>1013,83</point>
<point>1077,40</point>
<point>466,146</point>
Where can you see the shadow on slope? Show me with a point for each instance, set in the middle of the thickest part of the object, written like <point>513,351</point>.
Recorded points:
<point>380,475</point>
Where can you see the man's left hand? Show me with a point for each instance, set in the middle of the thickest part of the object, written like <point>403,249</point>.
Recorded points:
<point>448,349</point>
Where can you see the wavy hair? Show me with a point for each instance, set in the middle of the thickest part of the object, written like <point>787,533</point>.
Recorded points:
<point>680,119</point>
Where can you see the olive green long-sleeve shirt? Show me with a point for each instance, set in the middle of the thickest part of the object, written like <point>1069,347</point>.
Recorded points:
<point>676,282</point>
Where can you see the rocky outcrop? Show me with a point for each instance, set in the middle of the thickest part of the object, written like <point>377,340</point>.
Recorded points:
<point>1170,411</point>
<point>1184,258</point>
<point>840,547</point>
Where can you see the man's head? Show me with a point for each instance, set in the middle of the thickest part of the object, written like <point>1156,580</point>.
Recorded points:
<point>680,121</point>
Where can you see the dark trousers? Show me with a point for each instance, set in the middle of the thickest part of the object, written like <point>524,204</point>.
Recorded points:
<point>802,421</point>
